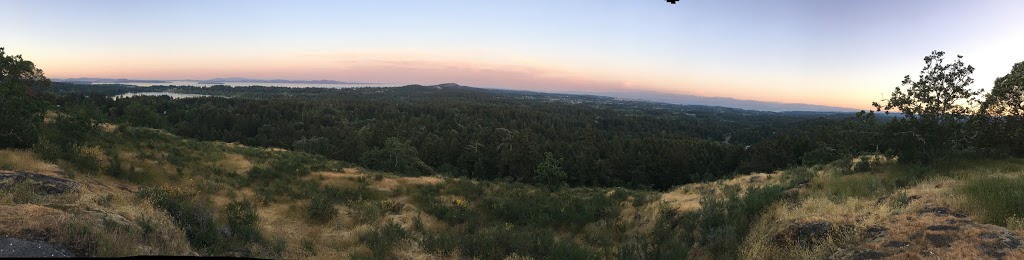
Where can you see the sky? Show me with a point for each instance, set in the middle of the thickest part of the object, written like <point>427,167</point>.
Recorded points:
<point>826,52</point>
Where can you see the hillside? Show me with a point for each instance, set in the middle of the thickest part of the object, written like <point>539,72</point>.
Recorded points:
<point>145,191</point>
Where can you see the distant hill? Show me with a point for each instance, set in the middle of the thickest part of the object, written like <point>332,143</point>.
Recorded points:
<point>681,99</point>
<point>322,81</point>
<point>719,101</point>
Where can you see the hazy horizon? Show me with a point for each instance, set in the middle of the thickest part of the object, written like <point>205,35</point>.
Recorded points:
<point>842,54</point>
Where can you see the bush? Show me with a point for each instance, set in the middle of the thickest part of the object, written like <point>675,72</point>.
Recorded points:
<point>242,220</point>
<point>367,211</point>
<point>502,240</point>
<point>192,215</point>
<point>320,210</point>
<point>383,239</point>
<point>522,205</point>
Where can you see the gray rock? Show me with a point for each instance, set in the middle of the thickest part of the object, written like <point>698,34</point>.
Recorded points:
<point>13,247</point>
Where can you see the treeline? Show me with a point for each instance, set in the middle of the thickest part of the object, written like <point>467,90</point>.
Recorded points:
<point>486,134</point>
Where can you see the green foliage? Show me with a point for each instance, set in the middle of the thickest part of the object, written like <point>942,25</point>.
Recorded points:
<point>549,172</point>
<point>995,198</point>
<point>860,185</point>
<point>382,239</point>
<point>822,155</point>
<point>192,214</point>
<point>368,211</point>
<point>572,208</point>
<point>243,221</point>
<point>63,139</point>
<point>292,164</point>
<point>22,87</point>
<point>935,108</point>
<point>320,210</point>
<point>396,156</point>
<point>478,133</point>
<point>725,219</point>
<point>502,240</point>
<point>315,145</point>
<point>1001,116</point>
<point>138,114</point>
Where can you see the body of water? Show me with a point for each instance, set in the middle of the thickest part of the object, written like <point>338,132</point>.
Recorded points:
<point>242,84</point>
<point>172,95</point>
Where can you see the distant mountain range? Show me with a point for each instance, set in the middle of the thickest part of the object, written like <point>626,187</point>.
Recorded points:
<point>628,95</point>
<point>718,101</point>
<point>207,81</point>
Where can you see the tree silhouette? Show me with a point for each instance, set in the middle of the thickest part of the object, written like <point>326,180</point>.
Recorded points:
<point>21,104</point>
<point>935,107</point>
<point>1001,116</point>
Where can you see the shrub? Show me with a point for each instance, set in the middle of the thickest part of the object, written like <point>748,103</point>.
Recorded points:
<point>192,215</point>
<point>242,220</point>
<point>320,210</point>
<point>367,211</point>
<point>549,172</point>
<point>520,204</point>
<point>382,239</point>
<point>503,240</point>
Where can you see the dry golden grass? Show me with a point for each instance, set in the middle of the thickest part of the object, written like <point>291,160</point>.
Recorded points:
<point>17,220</point>
<point>23,160</point>
<point>349,176</point>
<point>335,179</point>
<point>102,217</point>
<point>687,197</point>
<point>108,127</point>
<point>906,214</point>
<point>335,239</point>
<point>236,163</point>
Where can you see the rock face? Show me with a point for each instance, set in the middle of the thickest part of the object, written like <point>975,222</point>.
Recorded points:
<point>933,232</point>
<point>808,234</point>
<point>12,247</point>
<point>41,184</point>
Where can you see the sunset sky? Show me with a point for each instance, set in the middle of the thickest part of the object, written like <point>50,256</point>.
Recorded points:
<point>838,53</point>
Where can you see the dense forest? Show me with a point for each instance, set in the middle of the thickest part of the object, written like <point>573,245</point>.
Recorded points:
<point>490,134</point>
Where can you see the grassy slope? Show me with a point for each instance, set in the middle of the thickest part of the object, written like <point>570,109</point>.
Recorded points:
<point>163,194</point>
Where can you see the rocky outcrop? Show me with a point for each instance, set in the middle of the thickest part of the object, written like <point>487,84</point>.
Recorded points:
<point>936,232</point>
<point>41,184</point>
<point>13,247</point>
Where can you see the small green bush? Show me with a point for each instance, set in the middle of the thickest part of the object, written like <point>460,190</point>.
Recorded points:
<point>367,211</point>
<point>523,205</point>
<point>382,239</point>
<point>502,240</point>
<point>193,216</point>
<point>320,210</point>
<point>243,221</point>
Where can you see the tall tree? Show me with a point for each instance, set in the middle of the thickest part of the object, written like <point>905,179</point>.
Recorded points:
<point>1002,113</point>
<point>22,87</point>
<point>935,108</point>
